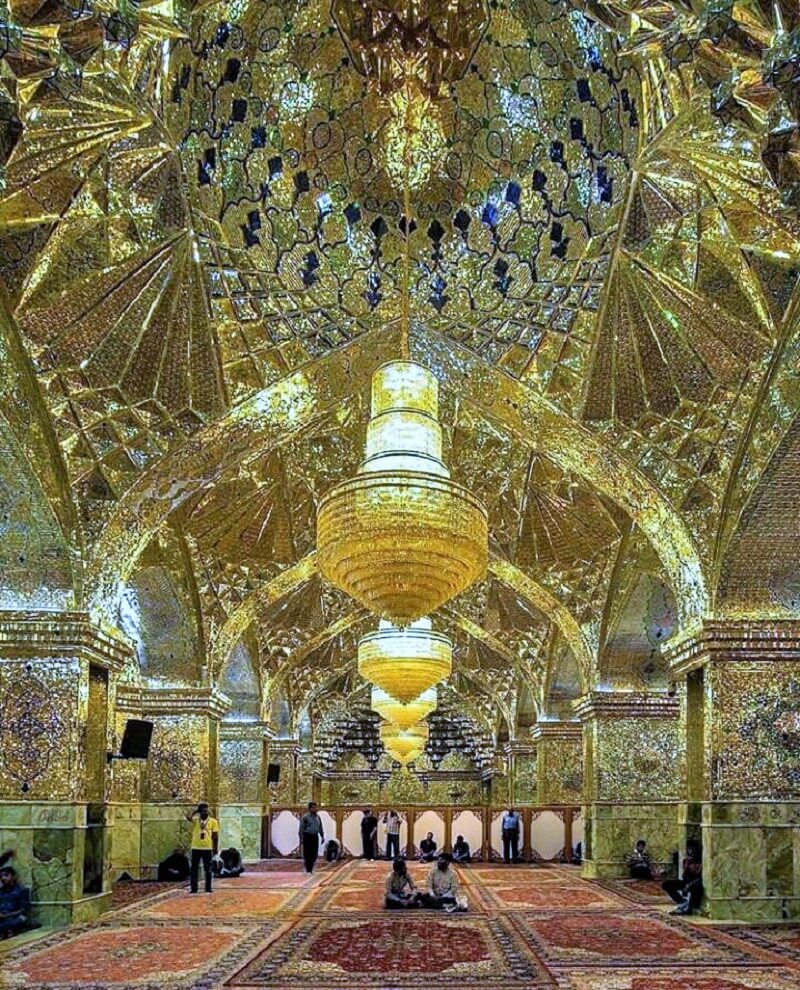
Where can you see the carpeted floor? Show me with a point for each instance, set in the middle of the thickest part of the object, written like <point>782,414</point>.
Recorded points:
<point>528,928</point>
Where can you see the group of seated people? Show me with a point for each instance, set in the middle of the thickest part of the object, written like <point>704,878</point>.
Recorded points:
<point>441,890</point>
<point>687,889</point>
<point>428,847</point>
<point>176,867</point>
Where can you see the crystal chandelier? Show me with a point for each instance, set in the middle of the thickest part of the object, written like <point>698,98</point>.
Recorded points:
<point>399,714</point>
<point>401,537</point>
<point>405,662</point>
<point>404,745</point>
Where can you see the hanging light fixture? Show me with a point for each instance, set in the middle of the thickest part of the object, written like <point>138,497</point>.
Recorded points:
<point>405,662</point>
<point>404,745</point>
<point>399,714</point>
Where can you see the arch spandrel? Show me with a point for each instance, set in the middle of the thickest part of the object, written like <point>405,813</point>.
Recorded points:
<point>286,408</point>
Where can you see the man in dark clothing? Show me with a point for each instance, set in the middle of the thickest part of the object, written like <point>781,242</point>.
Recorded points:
<point>230,863</point>
<point>369,834</point>
<point>427,849</point>
<point>175,867</point>
<point>688,891</point>
<point>15,903</point>
<point>311,835</point>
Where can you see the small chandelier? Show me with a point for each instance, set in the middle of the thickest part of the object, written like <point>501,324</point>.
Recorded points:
<point>401,537</point>
<point>404,745</point>
<point>405,662</point>
<point>403,715</point>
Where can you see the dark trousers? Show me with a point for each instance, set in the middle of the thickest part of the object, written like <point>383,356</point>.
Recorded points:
<point>641,871</point>
<point>198,856</point>
<point>511,845</point>
<point>310,849</point>
<point>392,845</point>
<point>680,891</point>
<point>369,846</point>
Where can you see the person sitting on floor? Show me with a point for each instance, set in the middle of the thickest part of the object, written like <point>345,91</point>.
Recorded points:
<point>687,892</point>
<point>577,855</point>
<point>639,862</point>
<point>427,849</point>
<point>175,867</point>
<point>15,903</point>
<point>401,891</point>
<point>443,890</point>
<point>230,863</point>
<point>461,853</point>
<point>333,851</point>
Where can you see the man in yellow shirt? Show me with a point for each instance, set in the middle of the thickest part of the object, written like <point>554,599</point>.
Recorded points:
<point>204,844</point>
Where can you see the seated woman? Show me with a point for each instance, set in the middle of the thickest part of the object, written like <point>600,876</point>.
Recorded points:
<point>443,890</point>
<point>401,891</point>
<point>427,849</point>
<point>639,862</point>
<point>461,853</point>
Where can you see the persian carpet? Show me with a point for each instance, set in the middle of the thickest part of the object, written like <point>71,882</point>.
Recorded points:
<point>528,928</point>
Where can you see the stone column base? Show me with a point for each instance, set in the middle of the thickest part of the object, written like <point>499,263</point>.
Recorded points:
<point>51,842</point>
<point>240,826</point>
<point>612,830</point>
<point>144,834</point>
<point>751,860</point>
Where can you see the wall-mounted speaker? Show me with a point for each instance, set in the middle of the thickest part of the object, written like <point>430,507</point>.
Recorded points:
<point>136,739</point>
<point>273,773</point>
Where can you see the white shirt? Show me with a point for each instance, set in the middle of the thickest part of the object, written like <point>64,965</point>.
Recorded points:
<point>511,821</point>
<point>393,824</point>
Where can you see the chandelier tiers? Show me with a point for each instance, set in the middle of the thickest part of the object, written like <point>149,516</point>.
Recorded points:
<point>403,715</point>
<point>404,745</point>
<point>405,662</point>
<point>401,537</point>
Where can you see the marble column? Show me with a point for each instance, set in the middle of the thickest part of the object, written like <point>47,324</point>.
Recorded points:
<point>58,678</point>
<point>634,778</point>
<point>243,757</point>
<point>559,762</point>
<point>741,718</point>
<point>152,797</point>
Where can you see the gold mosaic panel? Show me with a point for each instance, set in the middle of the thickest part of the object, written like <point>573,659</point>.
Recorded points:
<point>754,738</point>
<point>43,707</point>
<point>639,759</point>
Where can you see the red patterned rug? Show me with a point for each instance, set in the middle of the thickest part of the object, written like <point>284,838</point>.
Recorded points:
<point>702,979</point>
<point>528,928</point>
<point>122,956</point>
<point>623,940</point>
<point>397,950</point>
<point>127,892</point>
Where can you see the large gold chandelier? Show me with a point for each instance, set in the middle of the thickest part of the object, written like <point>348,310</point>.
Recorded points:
<point>401,537</point>
<point>403,715</point>
<point>405,662</point>
<point>404,745</point>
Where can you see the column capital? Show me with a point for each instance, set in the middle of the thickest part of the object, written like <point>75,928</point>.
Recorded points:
<point>520,747</point>
<point>245,730</point>
<point>208,701</point>
<point>626,704</point>
<point>43,634</point>
<point>570,731</point>
<point>734,639</point>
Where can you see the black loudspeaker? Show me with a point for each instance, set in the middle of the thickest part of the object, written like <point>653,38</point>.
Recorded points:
<point>136,739</point>
<point>273,773</point>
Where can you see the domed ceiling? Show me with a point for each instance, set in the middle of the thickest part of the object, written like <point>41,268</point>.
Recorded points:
<point>203,220</point>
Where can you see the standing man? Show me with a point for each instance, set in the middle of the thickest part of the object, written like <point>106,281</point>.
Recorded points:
<point>511,836</point>
<point>311,835</point>
<point>204,845</point>
<point>392,822</point>
<point>369,833</point>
